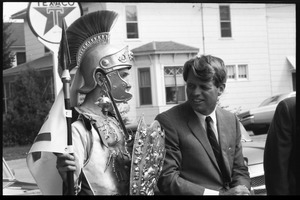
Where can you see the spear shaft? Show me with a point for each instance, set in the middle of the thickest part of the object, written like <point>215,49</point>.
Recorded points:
<point>66,79</point>
<point>127,136</point>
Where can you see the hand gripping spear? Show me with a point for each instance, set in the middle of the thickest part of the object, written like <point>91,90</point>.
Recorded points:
<point>65,60</point>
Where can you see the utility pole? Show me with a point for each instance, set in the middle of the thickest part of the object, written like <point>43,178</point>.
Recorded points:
<point>202,24</point>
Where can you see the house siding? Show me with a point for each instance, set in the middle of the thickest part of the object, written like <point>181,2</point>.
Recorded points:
<point>246,46</point>
<point>263,35</point>
<point>282,43</point>
<point>34,48</point>
<point>167,22</point>
<point>250,43</point>
<point>156,24</point>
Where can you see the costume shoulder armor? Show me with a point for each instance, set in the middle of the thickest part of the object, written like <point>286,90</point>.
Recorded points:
<point>78,115</point>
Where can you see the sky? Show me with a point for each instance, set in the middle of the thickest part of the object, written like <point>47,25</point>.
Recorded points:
<point>10,8</point>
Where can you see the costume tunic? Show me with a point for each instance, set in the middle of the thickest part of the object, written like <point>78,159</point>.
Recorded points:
<point>102,159</point>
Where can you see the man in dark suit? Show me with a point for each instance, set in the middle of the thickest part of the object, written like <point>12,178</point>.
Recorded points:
<point>193,164</point>
<point>280,157</point>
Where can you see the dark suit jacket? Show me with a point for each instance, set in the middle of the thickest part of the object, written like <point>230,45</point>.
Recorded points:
<point>189,165</point>
<point>280,157</point>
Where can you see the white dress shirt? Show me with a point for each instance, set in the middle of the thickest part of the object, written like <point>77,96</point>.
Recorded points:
<point>214,120</point>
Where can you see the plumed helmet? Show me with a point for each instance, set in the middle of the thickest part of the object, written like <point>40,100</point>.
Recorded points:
<point>90,48</point>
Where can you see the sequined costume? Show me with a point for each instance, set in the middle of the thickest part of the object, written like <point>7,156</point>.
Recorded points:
<point>103,162</point>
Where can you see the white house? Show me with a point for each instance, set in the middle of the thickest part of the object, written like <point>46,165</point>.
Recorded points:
<point>256,41</point>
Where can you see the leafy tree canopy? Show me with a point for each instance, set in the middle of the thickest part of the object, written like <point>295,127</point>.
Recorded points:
<point>7,56</point>
<point>28,105</point>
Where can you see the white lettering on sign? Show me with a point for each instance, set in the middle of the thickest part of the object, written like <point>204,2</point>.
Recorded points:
<point>55,4</point>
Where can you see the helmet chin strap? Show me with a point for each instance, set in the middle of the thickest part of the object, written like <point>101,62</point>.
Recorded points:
<point>127,135</point>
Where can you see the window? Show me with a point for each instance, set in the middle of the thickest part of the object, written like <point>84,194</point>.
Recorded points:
<point>230,71</point>
<point>85,11</point>
<point>145,86</point>
<point>242,71</point>
<point>131,22</point>
<point>174,85</point>
<point>237,72</point>
<point>20,57</point>
<point>225,21</point>
<point>46,50</point>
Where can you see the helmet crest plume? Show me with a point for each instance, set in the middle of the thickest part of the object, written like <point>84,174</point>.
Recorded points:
<point>89,29</point>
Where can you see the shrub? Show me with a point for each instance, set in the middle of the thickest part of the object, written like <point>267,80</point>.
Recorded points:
<point>27,108</point>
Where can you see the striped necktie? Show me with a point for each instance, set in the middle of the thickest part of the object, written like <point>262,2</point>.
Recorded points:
<point>216,147</point>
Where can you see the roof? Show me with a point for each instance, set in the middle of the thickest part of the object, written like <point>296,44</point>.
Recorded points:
<point>159,47</point>
<point>19,15</point>
<point>42,63</point>
<point>17,34</point>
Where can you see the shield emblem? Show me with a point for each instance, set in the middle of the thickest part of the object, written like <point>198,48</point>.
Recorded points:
<point>147,158</point>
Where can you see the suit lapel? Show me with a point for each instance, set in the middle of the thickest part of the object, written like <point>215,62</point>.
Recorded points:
<point>224,136</point>
<point>200,134</point>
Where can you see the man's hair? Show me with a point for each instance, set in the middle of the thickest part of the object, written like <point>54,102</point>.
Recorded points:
<point>206,68</point>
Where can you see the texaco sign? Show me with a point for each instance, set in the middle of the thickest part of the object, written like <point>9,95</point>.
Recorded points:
<point>45,18</point>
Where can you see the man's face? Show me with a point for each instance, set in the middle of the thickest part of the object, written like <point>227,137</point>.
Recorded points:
<point>202,96</point>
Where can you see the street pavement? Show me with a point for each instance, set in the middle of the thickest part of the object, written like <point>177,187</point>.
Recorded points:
<point>21,170</point>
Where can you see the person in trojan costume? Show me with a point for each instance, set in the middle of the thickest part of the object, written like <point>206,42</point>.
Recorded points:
<point>102,147</point>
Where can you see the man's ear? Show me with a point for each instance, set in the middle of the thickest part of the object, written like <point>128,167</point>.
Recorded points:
<point>221,89</point>
<point>99,78</point>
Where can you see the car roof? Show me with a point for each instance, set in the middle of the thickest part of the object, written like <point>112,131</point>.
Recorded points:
<point>276,98</point>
